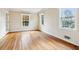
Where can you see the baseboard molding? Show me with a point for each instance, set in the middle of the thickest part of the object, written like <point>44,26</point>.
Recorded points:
<point>23,31</point>
<point>61,39</point>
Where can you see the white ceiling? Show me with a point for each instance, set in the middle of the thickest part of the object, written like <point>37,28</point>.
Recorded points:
<point>29,10</point>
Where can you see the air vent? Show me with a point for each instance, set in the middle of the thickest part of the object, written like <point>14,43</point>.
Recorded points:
<point>67,37</point>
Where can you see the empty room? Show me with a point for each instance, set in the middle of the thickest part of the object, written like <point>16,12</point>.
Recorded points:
<point>39,29</point>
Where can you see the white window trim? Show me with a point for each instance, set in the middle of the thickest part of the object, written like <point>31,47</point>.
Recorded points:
<point>41,19</point>
<point>22,20</point>
<point>60,25</point>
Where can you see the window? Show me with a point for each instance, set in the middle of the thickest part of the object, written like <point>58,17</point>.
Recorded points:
<point>25,20</point>
<point>42,18</point>
<point>68,18</point>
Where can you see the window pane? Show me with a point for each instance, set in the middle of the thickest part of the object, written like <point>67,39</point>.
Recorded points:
<point>42,18</point>
<point>25,20</point>
<point>67,18</point>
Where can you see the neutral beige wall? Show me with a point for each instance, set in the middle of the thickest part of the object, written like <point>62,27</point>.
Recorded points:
<point>51,26</point>
<point>15,22</point>
<point>3,30</point>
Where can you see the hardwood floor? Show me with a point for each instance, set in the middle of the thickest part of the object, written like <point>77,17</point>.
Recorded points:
<point>33,40</point>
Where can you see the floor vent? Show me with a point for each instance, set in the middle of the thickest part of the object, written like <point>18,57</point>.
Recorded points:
<point>67,37</point>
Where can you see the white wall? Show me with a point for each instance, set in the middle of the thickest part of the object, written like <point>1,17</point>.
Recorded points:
<point>51,26</point>
<point>15,22</point>
<point>3,30</point>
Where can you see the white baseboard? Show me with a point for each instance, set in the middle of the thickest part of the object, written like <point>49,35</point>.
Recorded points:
<point>62,38</point>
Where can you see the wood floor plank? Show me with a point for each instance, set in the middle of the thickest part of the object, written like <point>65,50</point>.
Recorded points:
<point>34,40</point>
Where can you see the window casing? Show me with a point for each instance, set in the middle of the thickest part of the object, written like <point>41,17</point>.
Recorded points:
<point>25,20</point>
<point>67,18</point>
<point>42,19</point>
